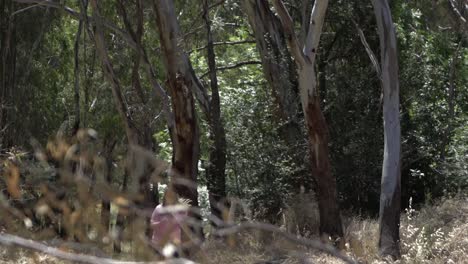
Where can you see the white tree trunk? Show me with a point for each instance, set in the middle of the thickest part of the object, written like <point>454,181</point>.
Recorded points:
<point>390,197</point>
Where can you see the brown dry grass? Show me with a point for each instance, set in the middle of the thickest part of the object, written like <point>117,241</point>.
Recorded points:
<point>435,234</point>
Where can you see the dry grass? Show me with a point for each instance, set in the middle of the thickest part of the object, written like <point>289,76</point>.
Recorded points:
<point>433,234</point>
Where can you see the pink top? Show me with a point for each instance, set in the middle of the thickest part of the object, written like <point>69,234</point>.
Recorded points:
<point>166,226</point>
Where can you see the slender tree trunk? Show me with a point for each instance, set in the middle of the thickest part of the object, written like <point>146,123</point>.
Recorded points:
<point>390,197</point>
<point>280,73</point>
<point>76,124</point>
<point>112,78</point>
<point>139,187</point>
<point>451,104</point>
<point>278,67</point>
<point>216,171</point>
<point>109,145</point>
<point>150,196</point>
<point>7,71</point>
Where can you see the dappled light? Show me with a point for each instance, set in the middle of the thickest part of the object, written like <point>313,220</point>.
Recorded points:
<point>233,131</point>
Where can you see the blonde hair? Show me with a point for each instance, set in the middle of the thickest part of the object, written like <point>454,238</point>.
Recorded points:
<point>170,197</point>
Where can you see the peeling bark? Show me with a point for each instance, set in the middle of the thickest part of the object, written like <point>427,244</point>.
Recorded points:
<point>317,129</point>
<point>278,67</point>
<point>180,83</point>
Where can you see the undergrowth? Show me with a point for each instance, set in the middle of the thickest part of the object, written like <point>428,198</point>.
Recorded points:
<point>435,233</point>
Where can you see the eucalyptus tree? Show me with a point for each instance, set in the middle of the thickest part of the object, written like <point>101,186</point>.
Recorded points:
<point>181,84</point>
<point>390,197</point>
<point>304,54</point>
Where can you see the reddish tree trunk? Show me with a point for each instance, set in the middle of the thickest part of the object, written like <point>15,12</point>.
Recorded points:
<point>181,85</point>
<point>317,128</point>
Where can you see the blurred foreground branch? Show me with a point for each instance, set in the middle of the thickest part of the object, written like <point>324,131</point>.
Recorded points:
<point>12,240</point>
<point>315,244</point>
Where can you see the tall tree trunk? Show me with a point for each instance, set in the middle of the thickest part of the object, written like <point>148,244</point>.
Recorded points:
<point>109,144</point>
<point>280,73</point>
<point>390,197</point>
<point>145,140</point>
<point>278,67</point>
<point>139,185</point>
<point>181,85</point>
<point>76,98</point>
<point>451,105</point>
<point>7,71</point>
<point>317,129</point>
<point>112,78</point>
<point>216,171</point>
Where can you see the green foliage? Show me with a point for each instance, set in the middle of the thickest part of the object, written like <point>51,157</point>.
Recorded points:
<point>261,167</point>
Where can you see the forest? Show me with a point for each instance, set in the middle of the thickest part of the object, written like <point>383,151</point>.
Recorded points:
<point>233,131</point>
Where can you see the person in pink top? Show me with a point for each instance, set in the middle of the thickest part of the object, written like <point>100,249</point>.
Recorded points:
<point>167,226</point>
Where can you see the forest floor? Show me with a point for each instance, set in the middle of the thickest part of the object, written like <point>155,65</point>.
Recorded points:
<point>435,233</point>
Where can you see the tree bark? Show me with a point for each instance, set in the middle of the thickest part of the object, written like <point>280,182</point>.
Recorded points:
<point>451,105</point>
<point>112,78</point>
<point>145,140</point>
<point>280,73</point>
<point>139,185</point>
<point>216,170</point>
<point>278,67</point>
<point>186,135</point>
<point>317,129</point>
<point>7,70</point>
<point>76,125</point>
<point>390,197</point>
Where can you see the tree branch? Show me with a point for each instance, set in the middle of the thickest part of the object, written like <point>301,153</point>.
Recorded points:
<point>370,53</point>
<point>157,88</point>
<point>12,240</point>
<point>298,240</point>
<point>222,43</point>
<point>237,65</point>
<point>288,26</point>
<point>456,11</point>
<point>317,20</point>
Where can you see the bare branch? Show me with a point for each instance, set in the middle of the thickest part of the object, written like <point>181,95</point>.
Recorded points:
<point>157,88</point>
<point>229,67</point>
<point>299,240</point>
<point>12,240</point>
<point>109,73</point>
<point>455,9</point>
<point>222,43</point>
<point>370,53</point>
<point>24,9</point>
<point>77,15</point>
<point>288,26</point>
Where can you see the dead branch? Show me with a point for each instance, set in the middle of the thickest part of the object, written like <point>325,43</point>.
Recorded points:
<point>315,244</point>
<point>237,65</point>
<point>370,53</point>
<point>12,240</point>
<point>224,43</point>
